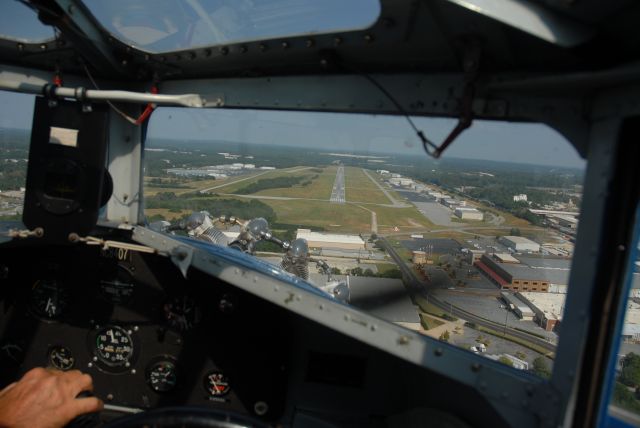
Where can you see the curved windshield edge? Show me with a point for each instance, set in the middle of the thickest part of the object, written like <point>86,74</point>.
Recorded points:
<point>171,25</point>
<point>19,23</point>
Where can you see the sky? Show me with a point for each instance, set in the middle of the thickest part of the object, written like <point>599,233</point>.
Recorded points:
<point>521,143</point>
<point>500,141</point>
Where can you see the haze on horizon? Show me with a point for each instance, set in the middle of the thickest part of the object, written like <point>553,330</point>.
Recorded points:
<point>347,133</point>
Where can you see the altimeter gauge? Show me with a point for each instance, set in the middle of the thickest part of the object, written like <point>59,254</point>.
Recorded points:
<point>114,346</point>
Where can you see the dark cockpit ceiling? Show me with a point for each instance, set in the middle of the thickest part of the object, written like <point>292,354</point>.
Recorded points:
<point>409,36</point>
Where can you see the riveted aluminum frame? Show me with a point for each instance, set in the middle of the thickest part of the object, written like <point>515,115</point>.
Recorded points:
<point>124,162</point>
<point>515,395</point>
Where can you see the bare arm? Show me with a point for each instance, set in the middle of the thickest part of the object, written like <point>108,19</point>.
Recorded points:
<point>46,398</point>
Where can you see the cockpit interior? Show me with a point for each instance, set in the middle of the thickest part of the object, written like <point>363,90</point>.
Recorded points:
<point>180,324</point>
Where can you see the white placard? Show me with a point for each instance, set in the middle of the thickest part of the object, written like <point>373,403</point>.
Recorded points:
<point>63,136</point>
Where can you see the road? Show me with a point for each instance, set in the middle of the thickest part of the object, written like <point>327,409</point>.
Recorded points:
<point>417,285</point>
<point>383,190</point>
<point>337,194</point>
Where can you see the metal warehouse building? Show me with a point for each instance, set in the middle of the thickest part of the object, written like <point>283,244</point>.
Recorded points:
<point>331,240</point>
<point>468,213</point>
<point>547,307</point>
<point>518,243</point>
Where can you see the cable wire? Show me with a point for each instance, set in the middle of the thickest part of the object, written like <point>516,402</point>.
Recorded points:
<point>116,109</point>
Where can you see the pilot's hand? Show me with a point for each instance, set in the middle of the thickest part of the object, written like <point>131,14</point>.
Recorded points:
<point>46,398</point>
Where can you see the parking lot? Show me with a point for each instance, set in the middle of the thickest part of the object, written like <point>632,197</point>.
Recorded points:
<point>437,213</point>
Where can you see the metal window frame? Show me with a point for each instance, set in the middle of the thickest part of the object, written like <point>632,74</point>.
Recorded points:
<point>523,400</point>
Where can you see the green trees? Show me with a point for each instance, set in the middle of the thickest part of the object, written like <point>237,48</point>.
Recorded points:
<point>630,374</point>
<point>541,368</point>
<point>625,398</point>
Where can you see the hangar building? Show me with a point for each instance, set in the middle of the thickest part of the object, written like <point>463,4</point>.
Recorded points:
<point>518,243</point>
<point>331,240</point>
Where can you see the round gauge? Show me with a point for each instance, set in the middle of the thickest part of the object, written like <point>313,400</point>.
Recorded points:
<point>182,313</point>
<point>162,375</point>
<point>118,290</point>
<point>114,346</point>
<point>216,384</point>
<point>61,358</point>
<point>48,298</point>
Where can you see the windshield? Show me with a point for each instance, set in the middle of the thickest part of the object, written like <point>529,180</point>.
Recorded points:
<point>170,25</point>
<point>18,22</point>
<point>474,249</point>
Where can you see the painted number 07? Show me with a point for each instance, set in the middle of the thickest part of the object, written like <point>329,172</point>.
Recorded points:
<point>122,254</point>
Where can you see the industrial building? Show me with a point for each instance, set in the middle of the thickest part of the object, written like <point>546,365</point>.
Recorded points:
<point>419,257</point>
<point>567,221</point>
<point>548,307</point>
<point>520,244</point>
<point>468,214</point>
<point>331,240</point>
<point>453,203</point>
<point>472,255</point>
<point>541,275</point>
<point>519,307</point>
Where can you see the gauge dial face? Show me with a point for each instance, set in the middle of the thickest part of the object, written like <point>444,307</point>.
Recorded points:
<point>61,358</point>
<point>114,346</point>
<point>119,289</point>
<point>216,384</point>
<point>182,313</point>
<point>48,298</point>
<point>162,375</point>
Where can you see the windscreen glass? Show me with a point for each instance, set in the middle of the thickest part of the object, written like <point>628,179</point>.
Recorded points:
<point>474,249</point>
<point>15,132</point>
<point>169,25</point>
<point>18,22</point>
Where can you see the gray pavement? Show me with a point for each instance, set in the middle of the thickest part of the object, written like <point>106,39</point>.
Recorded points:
<point>489,307</point>
<point>437,213</point>
<point>338,194</point>
<point>466,338</point>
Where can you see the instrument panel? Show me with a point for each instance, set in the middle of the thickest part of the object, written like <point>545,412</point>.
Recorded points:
<point>148,336</point>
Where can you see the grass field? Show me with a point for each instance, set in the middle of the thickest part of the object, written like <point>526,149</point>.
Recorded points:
<point>509,219</point>
<point>360,188</point>
<point>385,267</point>
<point>428,322</point>
<point>388,188</point>
<point>320,188</point>
<point>402,218</point>
<point>332,217</point>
